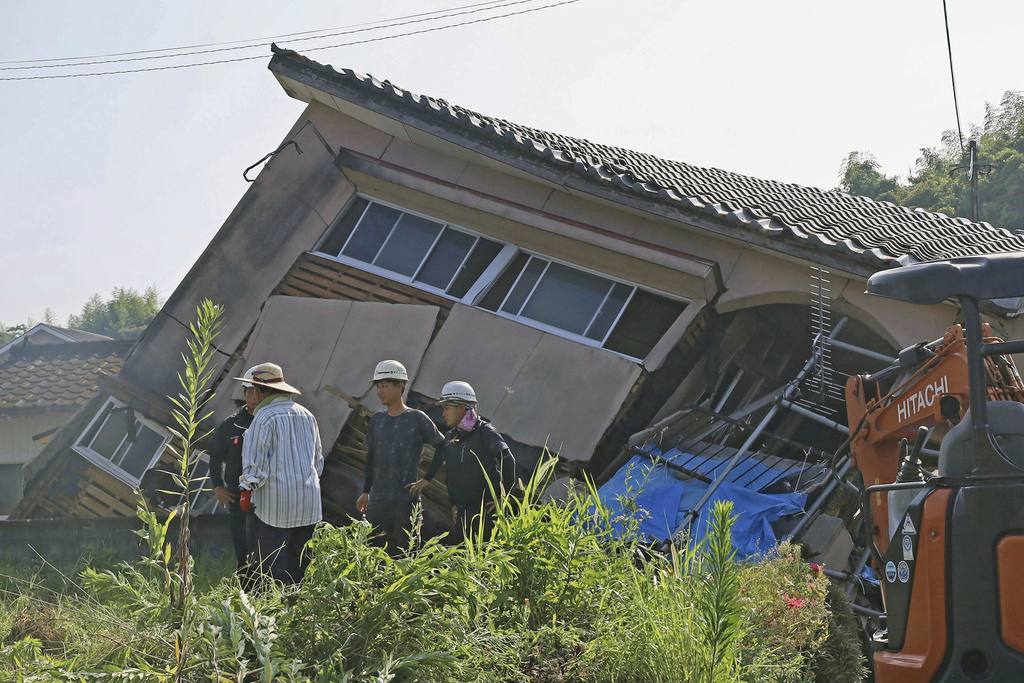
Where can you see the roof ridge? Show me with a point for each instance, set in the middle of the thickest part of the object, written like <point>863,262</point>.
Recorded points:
<point>824,217</point>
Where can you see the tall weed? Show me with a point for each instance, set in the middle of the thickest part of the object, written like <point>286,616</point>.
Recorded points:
<point>550,593</point>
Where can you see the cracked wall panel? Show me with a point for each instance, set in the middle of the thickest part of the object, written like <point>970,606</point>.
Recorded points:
<point>372,333</point>
<point>299,334</point>
<point>481,348</point>
<point>536,387</point>
<point>272,224</point>
<point>328,349</point>
<point>566,395</point>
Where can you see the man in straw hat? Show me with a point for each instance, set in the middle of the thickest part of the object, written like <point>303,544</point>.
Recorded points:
<point>394,444</point>
<point>282,460</point>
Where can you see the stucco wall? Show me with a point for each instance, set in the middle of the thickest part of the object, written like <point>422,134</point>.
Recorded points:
<point>758,279</point>
<point>16,432</point>
<point>456,184</point>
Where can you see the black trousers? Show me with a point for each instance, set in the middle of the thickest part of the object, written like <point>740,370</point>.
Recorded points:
<point>238,533</point>
<point>392,519</point>
<point>279,553</point>
<point>466,521</point>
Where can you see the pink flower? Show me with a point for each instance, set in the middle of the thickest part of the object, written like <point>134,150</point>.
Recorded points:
<point>815,568</point>
<point>794,602</point>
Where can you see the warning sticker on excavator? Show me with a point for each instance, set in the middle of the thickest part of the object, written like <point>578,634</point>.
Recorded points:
<point>908,548</point>
<point>908,525</point>
<point>890,572</point>
<point>903,572</point>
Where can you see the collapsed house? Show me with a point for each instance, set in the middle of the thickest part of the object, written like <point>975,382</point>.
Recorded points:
<point>46,375</point>
<point>603,302</point>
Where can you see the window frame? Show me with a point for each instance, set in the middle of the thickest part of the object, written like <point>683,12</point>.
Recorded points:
<point>490,274</point>
<point>410,280</point>
<point>527,320</point>
<point>105,463</point>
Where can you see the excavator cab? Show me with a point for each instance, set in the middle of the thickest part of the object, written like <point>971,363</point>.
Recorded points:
<point>953,572</point>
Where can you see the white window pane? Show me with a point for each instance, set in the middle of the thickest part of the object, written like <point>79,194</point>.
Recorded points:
<point>566,298</point>
<point>473,269</point>
<point>609,311</point>
<point>125,445</point>
<point>448,254</point>
<point>408,244</point>
<point>371,232</point>
<point>136,460</point>
<point>527,280</point>
<point>110,435</point>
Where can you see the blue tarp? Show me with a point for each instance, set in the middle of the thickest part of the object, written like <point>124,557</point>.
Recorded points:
<point>751,473</point>
<point>660,501</point>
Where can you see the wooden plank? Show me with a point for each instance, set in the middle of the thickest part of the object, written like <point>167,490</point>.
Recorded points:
<point>90,507</point>
<point>119,507</point>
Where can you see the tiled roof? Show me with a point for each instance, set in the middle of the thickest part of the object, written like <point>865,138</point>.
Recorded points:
<point>826,219</point>
<point>57,376</point>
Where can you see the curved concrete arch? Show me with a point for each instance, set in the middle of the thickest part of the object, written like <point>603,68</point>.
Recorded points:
<point>762,280</point>
<point>770,297</point>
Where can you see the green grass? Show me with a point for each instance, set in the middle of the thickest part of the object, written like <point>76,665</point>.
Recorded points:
<point>551,595</point>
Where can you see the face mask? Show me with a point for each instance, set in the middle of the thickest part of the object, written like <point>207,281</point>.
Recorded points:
<point>468,420</point>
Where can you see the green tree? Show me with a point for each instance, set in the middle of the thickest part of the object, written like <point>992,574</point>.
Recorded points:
<point>935,185</point>
<point>126,314</point>
<point>9,333</point>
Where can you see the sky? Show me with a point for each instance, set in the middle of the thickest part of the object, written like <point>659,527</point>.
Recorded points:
<point>121,181</point>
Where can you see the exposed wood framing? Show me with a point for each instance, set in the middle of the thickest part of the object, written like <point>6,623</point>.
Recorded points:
<point>323,278</point>
<point>650,391</point>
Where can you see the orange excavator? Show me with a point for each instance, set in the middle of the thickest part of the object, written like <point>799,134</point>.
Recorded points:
<point>947,540</point>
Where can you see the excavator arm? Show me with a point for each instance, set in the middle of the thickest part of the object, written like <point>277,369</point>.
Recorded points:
<point>928,387</point>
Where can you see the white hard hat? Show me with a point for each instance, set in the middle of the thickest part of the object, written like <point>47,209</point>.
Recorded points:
<point>390,369</point>
<point>458,392</point>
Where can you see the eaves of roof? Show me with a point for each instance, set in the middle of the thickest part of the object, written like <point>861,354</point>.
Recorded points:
<point>856,234</point>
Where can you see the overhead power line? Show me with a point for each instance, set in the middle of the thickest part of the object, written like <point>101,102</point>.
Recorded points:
<point>250,46</point>
<point>952,76</point>
<point>279,36</point>
<point>375,39</point>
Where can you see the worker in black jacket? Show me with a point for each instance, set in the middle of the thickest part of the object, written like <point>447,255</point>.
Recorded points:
<point>475,454</point>
<point>226,467</point>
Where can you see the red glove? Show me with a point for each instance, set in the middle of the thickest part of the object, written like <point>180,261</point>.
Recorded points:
<point>245,500</point>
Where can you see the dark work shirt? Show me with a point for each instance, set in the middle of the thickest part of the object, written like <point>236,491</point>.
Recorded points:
<point>473,458</point>
<point>226,450</point>
<point>394,447</point>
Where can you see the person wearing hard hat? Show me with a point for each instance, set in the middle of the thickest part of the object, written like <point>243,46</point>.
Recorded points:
<point>225,451</point>
<point>479,462</point>
<point>394,445</point>
<point>282,460</point>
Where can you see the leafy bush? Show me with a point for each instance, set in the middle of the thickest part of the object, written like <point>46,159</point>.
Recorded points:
<point>549,595</point>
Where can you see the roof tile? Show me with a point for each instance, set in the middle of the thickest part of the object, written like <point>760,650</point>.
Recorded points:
<point>57,375</point>
<point>825,219</point>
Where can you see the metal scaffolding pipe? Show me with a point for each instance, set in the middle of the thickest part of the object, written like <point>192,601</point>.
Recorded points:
<point>811,415</point>
<point>787,394</point>
<point>867,353</point>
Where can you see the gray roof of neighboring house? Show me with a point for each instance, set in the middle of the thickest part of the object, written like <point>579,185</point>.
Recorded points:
<point>860,228</point>
<point>35,379</point>
<point>61,334</point>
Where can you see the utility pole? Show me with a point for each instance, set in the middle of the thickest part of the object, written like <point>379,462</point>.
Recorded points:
<point>975,169</point>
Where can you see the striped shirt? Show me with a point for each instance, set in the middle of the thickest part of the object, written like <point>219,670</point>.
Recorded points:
<point>282,460</point>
